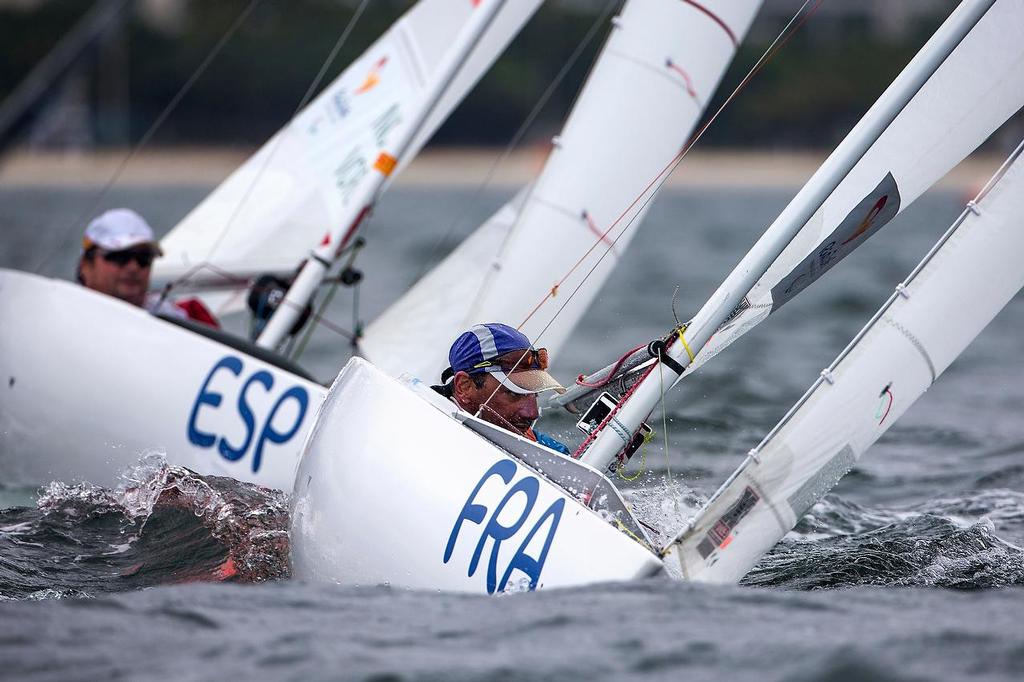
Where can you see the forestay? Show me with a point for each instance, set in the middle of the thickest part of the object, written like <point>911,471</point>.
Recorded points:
<point>967,278</point>
<point>649,88</point>
<point>269,214</point>
<point>978,87</point>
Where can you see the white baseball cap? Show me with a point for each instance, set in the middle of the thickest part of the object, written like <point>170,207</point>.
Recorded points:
<point>119,229</point>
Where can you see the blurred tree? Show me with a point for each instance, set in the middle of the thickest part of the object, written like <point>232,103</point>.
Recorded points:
<point>809,95</point>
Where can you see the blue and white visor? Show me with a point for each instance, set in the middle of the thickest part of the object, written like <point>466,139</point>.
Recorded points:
<point>506,353</point>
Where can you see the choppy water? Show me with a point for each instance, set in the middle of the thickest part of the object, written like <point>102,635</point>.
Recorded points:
<point>919,547</point>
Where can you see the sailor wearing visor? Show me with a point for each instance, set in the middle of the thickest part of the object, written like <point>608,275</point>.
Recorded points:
<point>118,249</point>
<point>495,373</point>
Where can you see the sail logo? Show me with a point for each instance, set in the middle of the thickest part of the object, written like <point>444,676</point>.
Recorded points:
<point>504,524</point>
<point>373,77</point>
<point>721,534</point>
<point>266,417</point>
<point>869,220</point>
<point>872,213</point>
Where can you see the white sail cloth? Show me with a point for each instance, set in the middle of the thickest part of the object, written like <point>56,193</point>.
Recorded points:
<point>977,88</point>
<point>971,274</point>
<point>648,90</point>
<point>271,212</point>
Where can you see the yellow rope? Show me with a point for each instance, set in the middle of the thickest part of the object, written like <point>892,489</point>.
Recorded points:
<point>683,339</point>
<point>643,461</point>
<point>621,526</point>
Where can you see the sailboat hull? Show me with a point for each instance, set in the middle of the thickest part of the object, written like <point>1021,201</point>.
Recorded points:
<point>392,490</point>
<point>88,384</point>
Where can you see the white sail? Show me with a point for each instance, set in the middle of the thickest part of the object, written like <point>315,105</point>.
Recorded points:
<point>977,88</point>
<point>649,88</point>
<point>967,278</point>
<point>269,214</point>
<point>782,262</point>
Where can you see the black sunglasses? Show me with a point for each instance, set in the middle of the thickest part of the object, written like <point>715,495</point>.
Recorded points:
<point>121,258</point>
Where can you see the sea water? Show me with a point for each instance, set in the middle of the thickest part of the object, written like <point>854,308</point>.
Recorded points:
<point>910,569</point>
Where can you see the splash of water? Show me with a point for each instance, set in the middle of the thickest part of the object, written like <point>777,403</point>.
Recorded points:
<point>160,524</point>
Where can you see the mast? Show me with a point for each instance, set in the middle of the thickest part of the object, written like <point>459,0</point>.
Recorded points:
<point>322,257</point>
<point>777,237</point>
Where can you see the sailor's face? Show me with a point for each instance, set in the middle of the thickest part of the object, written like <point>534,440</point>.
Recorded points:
<point>123,278</point>
<point>496,404</point>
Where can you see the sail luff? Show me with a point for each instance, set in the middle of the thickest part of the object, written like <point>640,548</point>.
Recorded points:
<point>777,237</point>
<point>322,257</point>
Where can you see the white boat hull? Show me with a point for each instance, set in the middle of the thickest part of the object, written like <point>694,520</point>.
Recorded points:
<point>391,490</point>
<point>88,384</point>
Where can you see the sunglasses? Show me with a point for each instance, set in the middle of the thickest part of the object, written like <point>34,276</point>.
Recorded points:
<point>121,258</point>
<point>517,361</point>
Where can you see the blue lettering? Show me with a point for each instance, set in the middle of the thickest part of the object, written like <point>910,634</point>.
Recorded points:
<point>269,434</point>
<point>205,397</point>
<point>245,412</point>
<point>495,531</point>
<point>529,487</point>
<point>527,564</point>
<point>475,513</point>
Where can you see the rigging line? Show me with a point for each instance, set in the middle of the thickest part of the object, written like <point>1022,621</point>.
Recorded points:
<point>517,137</point>
<point>675,316</point>
<point>313,323</point>
<point>787,32</point>
<point>332,326</point>
<point>611,374</point>
<point>514,142</point>
<point>321,74</point>
<point>171,106</point>
<point>664,420</point>
<point>660,179</point>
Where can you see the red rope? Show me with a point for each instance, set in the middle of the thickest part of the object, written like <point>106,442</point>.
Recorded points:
<point>605,382</point>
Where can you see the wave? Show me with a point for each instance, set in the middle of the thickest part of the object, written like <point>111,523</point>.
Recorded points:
<point>162,524</point>
<point>948,542</point>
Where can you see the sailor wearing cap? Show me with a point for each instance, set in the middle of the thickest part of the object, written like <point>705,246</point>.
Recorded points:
<point>495,373</point>
<point>118,249</point>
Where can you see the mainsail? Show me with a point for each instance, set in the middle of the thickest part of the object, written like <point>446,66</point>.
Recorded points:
<point>969,276</point>
<point>649,88</point>
<point>978,87</point>
<point>269,214</point>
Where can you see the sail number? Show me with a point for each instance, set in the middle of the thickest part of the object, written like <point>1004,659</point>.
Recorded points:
<point>503,523</point>
<point>254,393</point>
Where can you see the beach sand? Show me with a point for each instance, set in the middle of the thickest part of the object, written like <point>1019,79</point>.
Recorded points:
<point>434,166</point>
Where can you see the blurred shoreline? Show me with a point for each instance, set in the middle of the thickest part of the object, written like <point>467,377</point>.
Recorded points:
<point>438,166</point>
